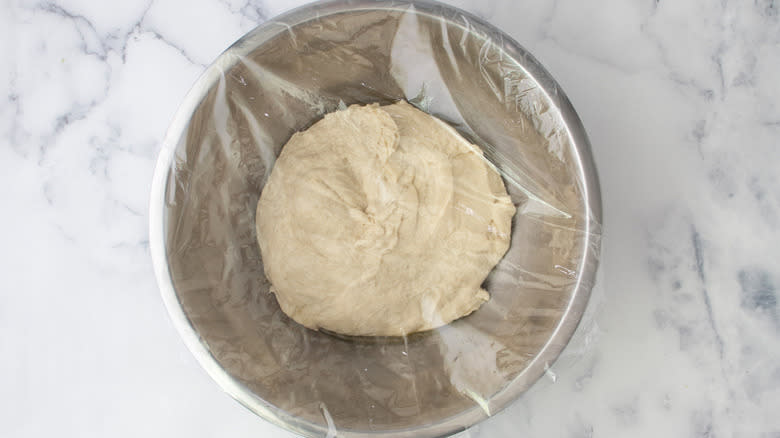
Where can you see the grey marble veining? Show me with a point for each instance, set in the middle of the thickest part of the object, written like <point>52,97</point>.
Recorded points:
<point>681,100</point>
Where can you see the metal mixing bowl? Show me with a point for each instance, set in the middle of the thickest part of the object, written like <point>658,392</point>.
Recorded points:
<point>282,77</point>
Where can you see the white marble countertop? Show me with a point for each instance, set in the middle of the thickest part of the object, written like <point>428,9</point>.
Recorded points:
<point>681,100</point>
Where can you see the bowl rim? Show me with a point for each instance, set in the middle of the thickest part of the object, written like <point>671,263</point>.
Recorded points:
<point>590,188</point>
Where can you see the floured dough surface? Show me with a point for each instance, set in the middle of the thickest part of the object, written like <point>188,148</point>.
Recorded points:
<point>381,221</point>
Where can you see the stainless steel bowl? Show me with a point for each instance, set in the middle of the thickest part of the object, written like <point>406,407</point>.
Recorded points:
<point>280,78</point>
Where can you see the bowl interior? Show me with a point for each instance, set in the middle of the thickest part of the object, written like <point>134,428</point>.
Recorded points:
<point>283,77</point>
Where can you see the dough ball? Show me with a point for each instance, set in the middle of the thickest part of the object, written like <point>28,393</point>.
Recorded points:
<point>381,221</point>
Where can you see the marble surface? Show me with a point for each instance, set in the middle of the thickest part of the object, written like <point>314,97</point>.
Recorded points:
<point>681,100</point>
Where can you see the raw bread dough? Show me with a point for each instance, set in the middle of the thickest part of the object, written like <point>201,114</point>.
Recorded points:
<point>381,221</point>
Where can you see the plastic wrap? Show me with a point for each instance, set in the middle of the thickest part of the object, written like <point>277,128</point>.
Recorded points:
<point>281,78</point>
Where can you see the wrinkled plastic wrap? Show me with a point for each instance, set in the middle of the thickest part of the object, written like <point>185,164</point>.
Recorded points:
<point>286,75</point>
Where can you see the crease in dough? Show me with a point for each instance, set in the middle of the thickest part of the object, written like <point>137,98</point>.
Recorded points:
<point>381,221</point>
